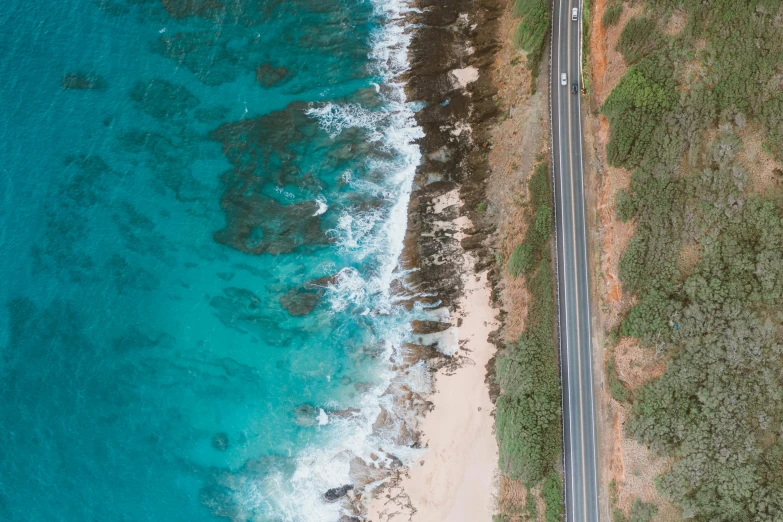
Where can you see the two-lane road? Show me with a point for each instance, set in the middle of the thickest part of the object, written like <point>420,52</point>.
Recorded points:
<point>581,482</point>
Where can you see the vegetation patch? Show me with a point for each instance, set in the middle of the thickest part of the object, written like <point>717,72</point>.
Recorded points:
<point>612,14</point>
<point>639,38</point>
<point>617,389</point>
<point>532,31</point>
<point>718,407</point>
<point>528,409</point>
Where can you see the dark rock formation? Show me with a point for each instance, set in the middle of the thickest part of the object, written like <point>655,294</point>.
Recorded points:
<point>452,34</point>
<point>334,494</point>
<point>301,300</point>
<point>428,327</point>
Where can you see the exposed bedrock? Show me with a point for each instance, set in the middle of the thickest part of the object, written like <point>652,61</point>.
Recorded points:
<point>450,55</point>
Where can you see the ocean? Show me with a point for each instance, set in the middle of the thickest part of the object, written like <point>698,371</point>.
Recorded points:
<point>203,206</point>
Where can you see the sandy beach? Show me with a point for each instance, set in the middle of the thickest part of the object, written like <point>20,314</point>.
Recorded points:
<point>455,480</point>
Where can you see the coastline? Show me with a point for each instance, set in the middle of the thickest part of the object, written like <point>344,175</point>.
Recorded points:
<point>447,273</point>
<point>456,478</point>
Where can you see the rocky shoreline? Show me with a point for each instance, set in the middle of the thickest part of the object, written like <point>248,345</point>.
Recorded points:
<point>451,55</point>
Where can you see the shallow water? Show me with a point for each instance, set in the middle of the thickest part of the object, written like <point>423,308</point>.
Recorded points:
<point>202,209</point>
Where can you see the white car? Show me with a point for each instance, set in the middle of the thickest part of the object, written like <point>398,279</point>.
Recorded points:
<point>563,79</point>
<point>574,14</point>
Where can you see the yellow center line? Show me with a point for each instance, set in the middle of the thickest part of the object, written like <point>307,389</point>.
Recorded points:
<point>576,283</point>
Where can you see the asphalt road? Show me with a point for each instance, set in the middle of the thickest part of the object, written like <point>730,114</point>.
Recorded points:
<point>581,481</point>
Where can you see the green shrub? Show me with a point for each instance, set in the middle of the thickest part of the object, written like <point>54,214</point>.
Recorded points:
<point>650,318</point>
<point>625,208</point>
<point>612,14</point>
<point>640,36</point>
<point>539,186</point>
<point>586,14</point>
<point>552,491</point>
<point>643,511</point>
<point>531,510</point>
<point>634,109</point>
<point>524,7</point>
<point>527,419</point>
<point>543,222</point>
<point>521,261</point>
<point>616,387</point>
<point>532,31</point>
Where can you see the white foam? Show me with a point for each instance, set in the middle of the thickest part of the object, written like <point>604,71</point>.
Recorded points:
<point>334,117</point>
<point>322,206</point>
<point>377,236</point>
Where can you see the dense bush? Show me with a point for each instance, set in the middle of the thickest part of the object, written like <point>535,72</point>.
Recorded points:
<point>718,407</point>
<point>552,491</point>
<point>643,511</point>
<point>624,205</point>
<point>612,14</point>
<point>527,417</point>
<point>640,512</point>
<point>527,255</point>
<point>639,37</point>
<point>521,261</point>
<point>634,109</point>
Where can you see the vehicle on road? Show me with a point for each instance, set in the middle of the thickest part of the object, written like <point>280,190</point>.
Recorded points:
<point>574,14</point>
<point>574,88</point>
<point>563,79</point>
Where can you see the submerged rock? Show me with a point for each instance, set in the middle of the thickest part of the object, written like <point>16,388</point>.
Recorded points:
<point>162,99</point>
<point>299,301</point>
<point>269,76</point>
<point>220,441</point>
<point>81,80</point>
<point>306,415</point>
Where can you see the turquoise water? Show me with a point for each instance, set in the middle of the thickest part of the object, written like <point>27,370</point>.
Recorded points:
<point>202,207</point>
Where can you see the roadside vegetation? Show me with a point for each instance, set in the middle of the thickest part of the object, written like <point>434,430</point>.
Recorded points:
<point>533,31</point>
<point>527,417</point>
<point>587,6</point>
<point>679,119</point>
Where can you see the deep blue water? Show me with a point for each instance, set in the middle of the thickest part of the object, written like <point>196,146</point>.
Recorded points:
<point>202,204</point>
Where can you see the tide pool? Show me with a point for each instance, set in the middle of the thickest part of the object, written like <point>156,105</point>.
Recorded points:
<point>203,203</point>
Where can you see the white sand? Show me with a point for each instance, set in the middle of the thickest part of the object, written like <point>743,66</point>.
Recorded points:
<point>463,77</point>
<point>457,480</point>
